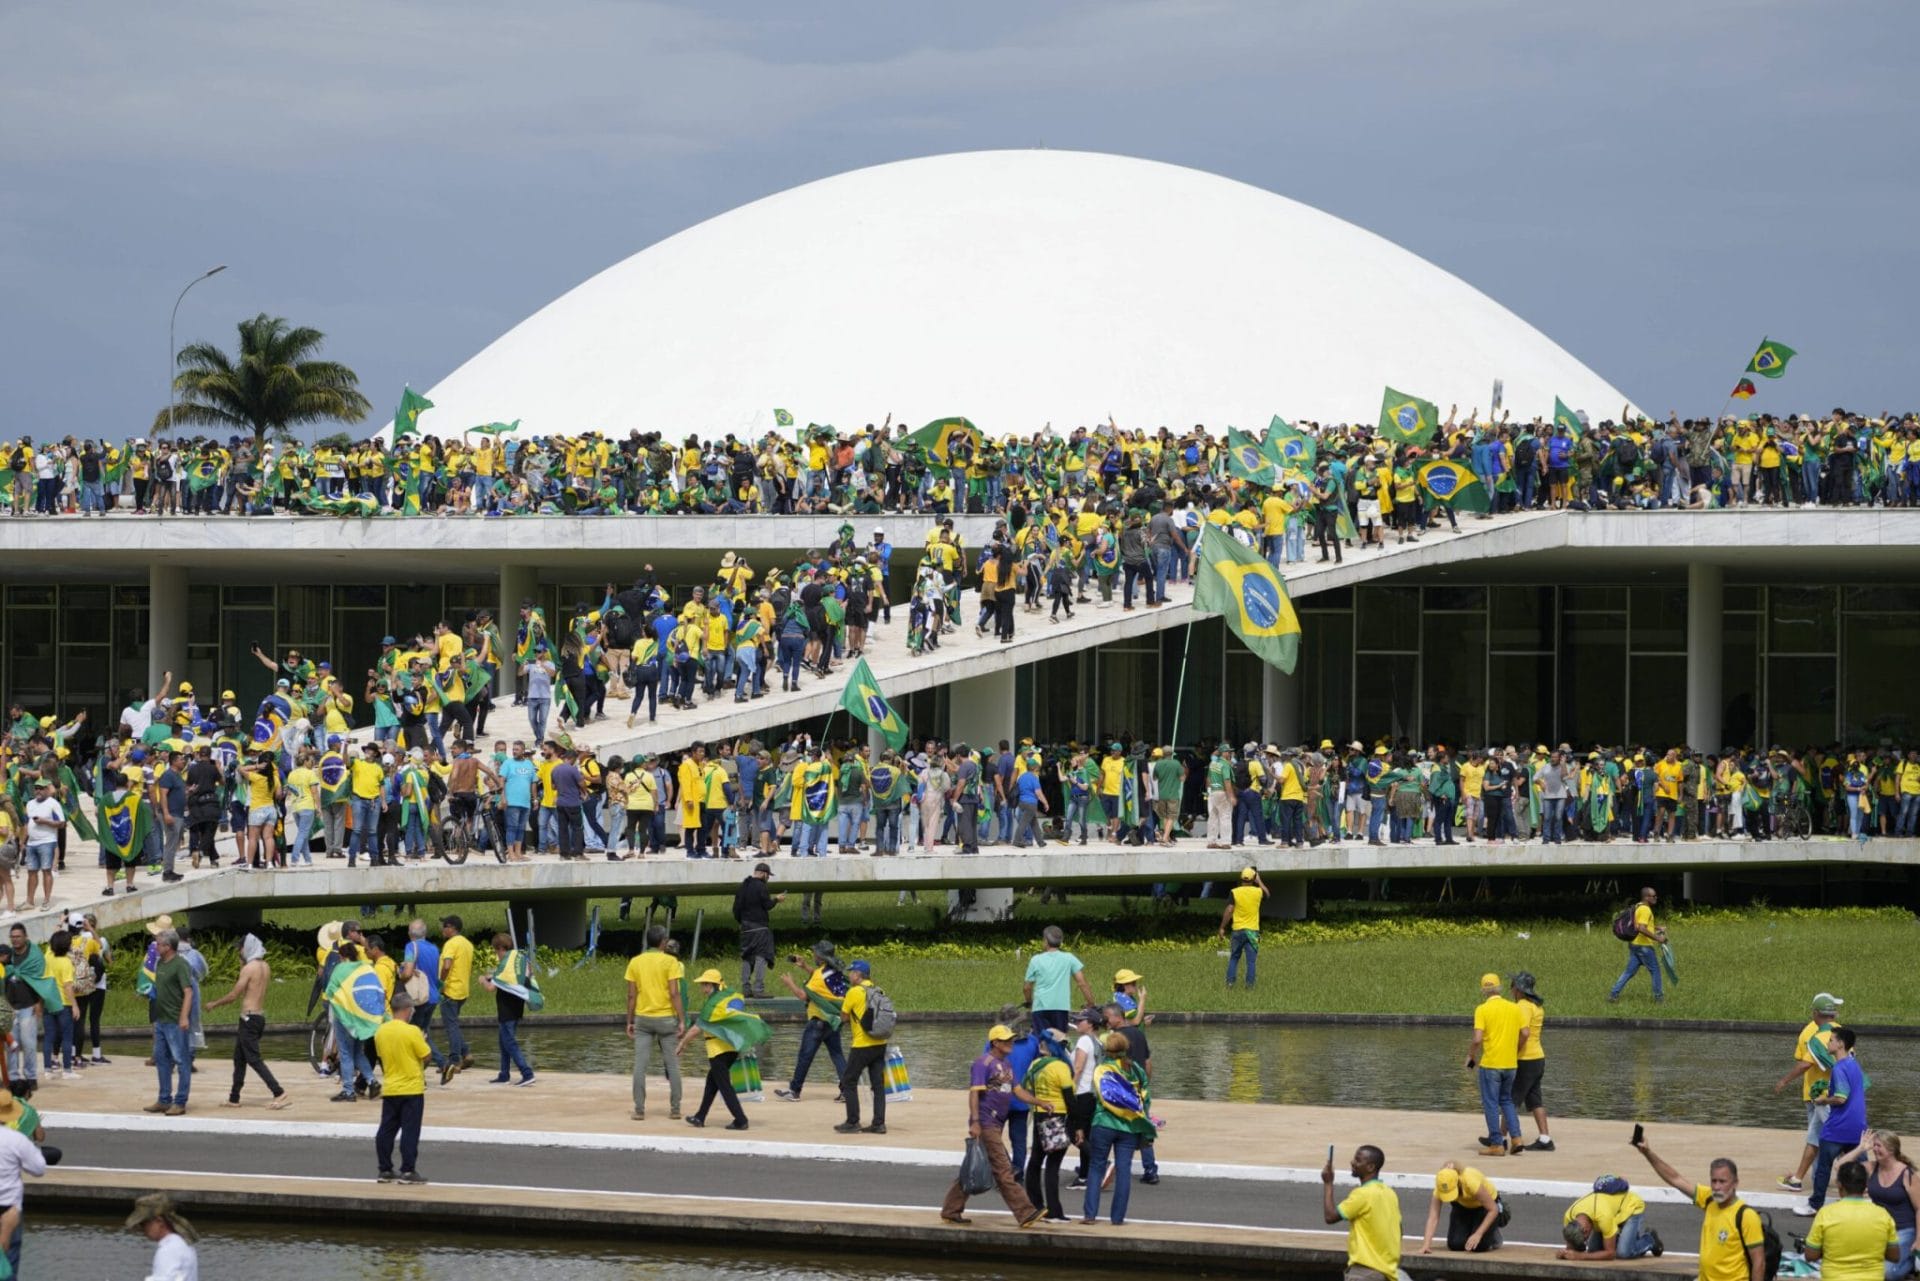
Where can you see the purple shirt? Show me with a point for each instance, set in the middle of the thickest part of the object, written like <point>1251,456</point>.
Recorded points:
<point>566,785</point>
<point>992,1079</point>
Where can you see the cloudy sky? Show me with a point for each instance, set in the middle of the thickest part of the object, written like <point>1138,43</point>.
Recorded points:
<point>1654,184</point>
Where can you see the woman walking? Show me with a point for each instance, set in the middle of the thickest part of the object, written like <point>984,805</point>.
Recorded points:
<point>729,1030</point>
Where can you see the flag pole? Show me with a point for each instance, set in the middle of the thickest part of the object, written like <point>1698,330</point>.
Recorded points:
<point>1179,693</point>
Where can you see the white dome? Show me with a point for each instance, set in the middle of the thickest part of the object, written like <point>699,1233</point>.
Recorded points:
<point>1015,288</point>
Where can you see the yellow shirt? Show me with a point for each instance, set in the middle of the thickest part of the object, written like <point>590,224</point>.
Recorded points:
<point>1815,1075</point>
<point>388,970</point>
<point>448,647</point>
<point>259,790</point>
<point>1666,780</point>
<point>1533,1015</point>
<point>1111,770</point>
<point>300,789</point>
<point>1498,1021</point>
<point>1372,1213</point>
<point>1246,907</point>
<point>1727,1232</point>
<point>641,791</point>
<point>1291,783</point>
<point>1852,1235</point>
<point>338,705</point>
<point>1052,1081</point>
<point>1476,1190</point>
<point>368,778</point>
<point>549,798</point>
<point>653,975</point>
<point>1644,927</point>
<point>1607,1210</point>
<point>60,970</point>
<point>1910,778</point>
<point>1471,774</point>
<point>1273,515</point>
<point>817,983</point>
<point>852,1008</point>
<point>456,967</point>
<point>402,1049</point>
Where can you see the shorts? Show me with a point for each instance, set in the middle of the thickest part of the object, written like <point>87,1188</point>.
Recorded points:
<point>1666,805</point>
<point>262,816</point>
<point>1816,1121</point>
<point>1168,811</point>
<point>1369,509</point>
<point>1356,802</point>
<point>40,858</point>
<point>516,824</point>
<point>1526,1084</point>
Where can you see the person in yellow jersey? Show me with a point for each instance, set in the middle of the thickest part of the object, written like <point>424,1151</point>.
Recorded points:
<point>1532,1060</point>
<point>1495,1052</point>
<point>1732,1245</point>
<point>1667,773</point>
<point>403,1091</point>
<point>1242,916</point>
<point>456,977</point>
<point>1641,949</point>
<point>1372,1215</point>
<point>656,1016</point>
<point>1609,1223</point>
<point>1290,780</point>
<point>1813,1068</point>
<point>1853,1238</point>
<point>1475,1213</point>
<point>869,1013</point>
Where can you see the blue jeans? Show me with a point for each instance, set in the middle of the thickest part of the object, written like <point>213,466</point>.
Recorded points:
<point>354,1061</point>
<point>1017,1127</point>
<point>92,498</point>
<point>537,709</point>
<point>645,687</point>
<point>1249,819</point>
<point>1162,566</point>
<point>1117,1146</point>
<point>814,1035</point>
<point>1553,822</point>
<point>1903,1266</point>
<point>172,1057</point>
<point>1496,1103</point>
<point>59,1037</point>
<point>1909,817</point>
<point>1823,1169</point>
<point>366,830</point>
<point>510,1050</point>
<point>1376,811</point>
<point>748,664</point>
<point>792,650</point>
<point>809,840</point>
<point>886,831</point>
<point>1856,817</point>
<point>1242,946</point>
<point>852,818</point>
<point>302,851</point>
<point>450,1019</point>
<point>1635,1239</point>
<point>1639,958</point>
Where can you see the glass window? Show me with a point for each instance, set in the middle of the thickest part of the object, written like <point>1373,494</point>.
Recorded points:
<point>463,597</point>
<point>1325,673</point>
<point>83,677</point>
<point>249,595</point>
<point>1386,696</point>
<point>1800,700</point>
<point>1878,702</point>
<point>29,653</point>
<point>1883,600</point>
<point>29,597</point>
<point>1657,697</point>
<point>84,612</point>
<point>360,597</point>
<point>303,617</point>
<point>1659,621</point>
<point>1195,688</point>
<point>1522,619</point>
<point>1801,620</point>
<point>1057,704</point>
<point>1453,686</point>
<point>130,597</point>
<point>1739,679</point>
<point>1245,715</point>
<point>1593,598</point>
<point>1389,617</point>
<point>1593,666</point>
<point>1129,688</point>
<point>1519,700</point>
<point>417,609</point>
<point>1456,596</point>
<point>203,618</point>
<point>1333,598</point>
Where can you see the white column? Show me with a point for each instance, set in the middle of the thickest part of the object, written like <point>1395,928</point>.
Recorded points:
<point>1279,707</point>
<point>517,583</point>
<point>1706,600</point>
<point>980,710</point>
<point>876,742</point>
<point>166,625</point>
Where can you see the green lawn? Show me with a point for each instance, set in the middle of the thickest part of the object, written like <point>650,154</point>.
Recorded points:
<point>1749,963</point>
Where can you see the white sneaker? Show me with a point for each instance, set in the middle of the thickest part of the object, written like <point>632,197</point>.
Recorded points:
<point>70,1076</point>
<point>1803,1209</point>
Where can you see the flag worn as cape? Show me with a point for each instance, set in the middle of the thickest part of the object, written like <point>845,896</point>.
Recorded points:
<point>725,1018</point>
<point>123,819</point>
<point>358,999</point>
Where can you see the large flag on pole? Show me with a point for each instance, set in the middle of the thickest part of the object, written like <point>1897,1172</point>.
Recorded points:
<point>1565,417</point>
<point>1771,360</point>
<point>937,438</point>
<point>863,701</point>
<point>1247,460</point>
<point>1407,420</point>
<point>1289,446</point>
<point>1447,482</point>
<point>406,419</point>
<point>1234,582</point>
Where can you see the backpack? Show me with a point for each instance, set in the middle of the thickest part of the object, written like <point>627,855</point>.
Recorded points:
<point>1523,452</point>
<point>879,1017</point>
<point>1623,927</point>
<point>1769,1240</point>
<point>84,978</point>
<point>1626,451</point>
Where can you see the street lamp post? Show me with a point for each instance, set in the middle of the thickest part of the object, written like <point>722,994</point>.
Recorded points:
<point>173,354</point>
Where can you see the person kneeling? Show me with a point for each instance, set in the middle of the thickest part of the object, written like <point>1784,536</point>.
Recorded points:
<point>1609,1223</point>
<point>1475,1212</point>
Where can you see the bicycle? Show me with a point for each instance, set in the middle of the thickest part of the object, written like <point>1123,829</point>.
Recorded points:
<point>458,837</point>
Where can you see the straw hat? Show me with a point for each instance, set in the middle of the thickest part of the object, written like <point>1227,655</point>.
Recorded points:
<point>158,1205</point>
<point>159,925</point>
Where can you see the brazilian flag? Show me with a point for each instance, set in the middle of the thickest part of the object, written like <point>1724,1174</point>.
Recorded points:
<point>724,1017</point>
<point>358,1000</point>
<point>1235,582</point>
<point>123,820</point>
<point>781,418</point>
<point>334,779</point>
<point>937,438</point>
<point>1564,417</point>
<point>1292,448</point>
<point>1771,360</point>
<point>890,784</point>
<point>202,475</point>
<point>864,702</point>
<point>496,429</point>
<point>406,419</point>
<point>1407,420</point>
<point>1247,460</point>
<point>815,795</point>
<point>1451,485</point>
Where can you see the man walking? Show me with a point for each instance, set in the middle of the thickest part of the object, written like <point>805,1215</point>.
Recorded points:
<point>422,959</point>
<point>1813,1067</point>
<point>403,1052</point>
<point>172,1016</point>
<point>1048,986</point>
<point>1496,1052</point>
<point>1647,936</point>
<point>1846,1118</point>
<point>250,989</point>
<point>456,977</point>
<point>989,1096</point>
<point>751,904</point>
<point>656,1016</point>
<point>870,1013</point>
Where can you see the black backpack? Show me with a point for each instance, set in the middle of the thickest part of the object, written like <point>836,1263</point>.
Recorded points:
<point>1623,927</point>
<point>1523,452</point>
<point>1769,1240</point>
<point>1626,452</point>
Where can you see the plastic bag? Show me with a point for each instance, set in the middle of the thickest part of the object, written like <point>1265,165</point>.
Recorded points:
<point>976,1174</point>
<point>746,1079</point>
<point>899,1083</point>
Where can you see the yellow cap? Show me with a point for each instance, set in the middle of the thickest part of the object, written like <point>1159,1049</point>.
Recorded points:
<point>713,977</point>
<point>1446,1185</point>
<point>999,1032</point>
<point>1248,874</point>
<point>1489,981</point>
<point>1125,976</point>
<point>186,687</point>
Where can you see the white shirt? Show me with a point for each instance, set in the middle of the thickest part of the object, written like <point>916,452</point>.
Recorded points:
<point>174,1260</point>
<point>1089,1047</point>
<point>43,813</point>
<point>18,1155</point>
<point>138,717</point>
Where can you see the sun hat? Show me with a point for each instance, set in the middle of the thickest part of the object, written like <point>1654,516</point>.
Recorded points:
<point>158,1205</point>
<point>1125,976</point>
<point>159,925</point>
<point>711,976</point>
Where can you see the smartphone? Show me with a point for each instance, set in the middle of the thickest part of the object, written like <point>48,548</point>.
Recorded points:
<point>1329,1154</point>
<point>1639,1135</point>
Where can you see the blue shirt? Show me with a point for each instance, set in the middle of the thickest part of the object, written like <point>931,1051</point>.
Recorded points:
<point>663,628</point>
<point>516,779</point>
<point>1027,788</point>
<point>1847,1121</point>
<point>566,785</point>
<point>424,956</point>
<point>749,767</point>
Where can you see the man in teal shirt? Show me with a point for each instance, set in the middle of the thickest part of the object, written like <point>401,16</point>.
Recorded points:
<point>1048,989</point>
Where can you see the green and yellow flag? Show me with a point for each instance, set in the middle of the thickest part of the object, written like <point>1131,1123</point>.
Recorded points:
<point>1234,582</point>
<point>1771,360</point>
<point>1407,420</point>
<point>1565,417</point>
<point>122,821</point>
<point>1247,460</point>
<point>1292,448</point>
<point>864,702</point>
<point>492,429</point>
<point>781,418</point>
<point>937,438</point>
<point>1452,485</point>
<point>724,1017</point>
<point>406,419</point>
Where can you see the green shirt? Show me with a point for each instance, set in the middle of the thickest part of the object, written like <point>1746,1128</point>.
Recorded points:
<point>1219,775</point>
<point>172,980</point>
<point>1166,777</point>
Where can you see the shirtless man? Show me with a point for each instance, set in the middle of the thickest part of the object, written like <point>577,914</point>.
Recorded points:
<point>250,989</point>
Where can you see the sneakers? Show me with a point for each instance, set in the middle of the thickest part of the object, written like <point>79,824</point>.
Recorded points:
<point>1659,1246</point>
<point>385,1176</point>
<point>448,1071</point>
<point>1790,1183</point>
<point>410,1176</point>
<point>847,1127</point>
<point>1803,1209</point>
<point>525,1080</point>
<point>873,1129</point>
<point>1541,1144</point>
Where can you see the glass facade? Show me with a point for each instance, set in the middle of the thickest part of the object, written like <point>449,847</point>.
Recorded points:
<point>1462,664</point>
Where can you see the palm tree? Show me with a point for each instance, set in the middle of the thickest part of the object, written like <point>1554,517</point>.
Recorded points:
<point>273,386</point>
